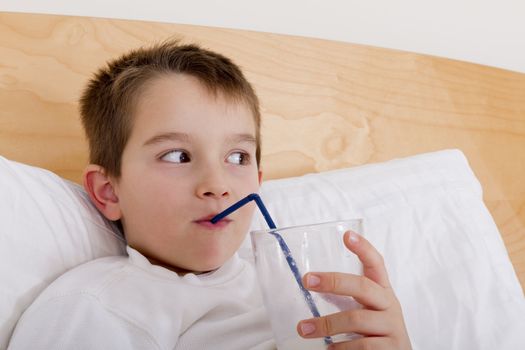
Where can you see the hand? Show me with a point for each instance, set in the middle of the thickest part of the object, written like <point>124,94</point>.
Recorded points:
<point>380,321</point>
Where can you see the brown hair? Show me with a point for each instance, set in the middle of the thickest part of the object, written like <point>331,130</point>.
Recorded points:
<point>108,102</point>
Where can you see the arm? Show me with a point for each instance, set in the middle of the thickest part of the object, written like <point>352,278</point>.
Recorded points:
<point>380,321</point>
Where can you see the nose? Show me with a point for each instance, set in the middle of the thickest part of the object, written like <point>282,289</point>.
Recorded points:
<point>212,185</point>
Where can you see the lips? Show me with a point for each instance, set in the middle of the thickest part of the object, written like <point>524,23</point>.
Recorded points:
<point>206,223</point>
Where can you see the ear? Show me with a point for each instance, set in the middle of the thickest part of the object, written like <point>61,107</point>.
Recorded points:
<point>260,177</point>
<point>101,191</point>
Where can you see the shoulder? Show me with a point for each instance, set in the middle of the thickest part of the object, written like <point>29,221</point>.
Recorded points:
<point>110,296</point>
<point>132,273</point>
<point>90,277</point>
<point>72,320</point>
<point>118,284</point>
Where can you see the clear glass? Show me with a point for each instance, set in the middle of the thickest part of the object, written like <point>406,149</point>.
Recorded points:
<point>316,247</point>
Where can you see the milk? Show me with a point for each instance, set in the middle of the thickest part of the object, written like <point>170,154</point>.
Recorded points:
<point>302,344</point>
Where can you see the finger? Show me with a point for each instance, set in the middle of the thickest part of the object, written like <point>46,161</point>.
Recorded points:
<point>362,321</point>
<point>373,265</point>
<point>365,291</point>
<point>376,343</point>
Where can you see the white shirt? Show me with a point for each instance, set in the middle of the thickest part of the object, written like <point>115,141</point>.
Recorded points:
<point>128,303</point>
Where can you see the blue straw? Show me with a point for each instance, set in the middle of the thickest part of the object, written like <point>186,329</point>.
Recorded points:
<point>284,247</point>
<point>251,197</point>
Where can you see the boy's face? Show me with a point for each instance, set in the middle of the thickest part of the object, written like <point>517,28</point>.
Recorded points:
<point>189,156</point>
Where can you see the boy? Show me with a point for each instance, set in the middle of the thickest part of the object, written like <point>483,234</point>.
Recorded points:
<point>174,135</point>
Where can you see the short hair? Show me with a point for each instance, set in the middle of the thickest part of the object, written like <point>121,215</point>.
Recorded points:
<point>109,100</point>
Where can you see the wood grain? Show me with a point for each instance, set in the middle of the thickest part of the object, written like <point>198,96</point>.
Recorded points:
<point>325,104</point>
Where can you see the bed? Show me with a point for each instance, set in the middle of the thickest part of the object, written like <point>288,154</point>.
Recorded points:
<point>326,106</point>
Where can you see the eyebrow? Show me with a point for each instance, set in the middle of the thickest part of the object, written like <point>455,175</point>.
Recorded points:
<point>239,138</point>
<point>179,136</point>
<point>167,136</point>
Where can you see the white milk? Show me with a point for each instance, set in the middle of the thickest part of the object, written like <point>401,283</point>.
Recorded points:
<point>302,344</point>
<point>313,344</point>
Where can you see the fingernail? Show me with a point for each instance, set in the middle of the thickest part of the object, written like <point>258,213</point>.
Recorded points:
<point>307,328</point>
<point>353,237</point>
<point>312,280</point>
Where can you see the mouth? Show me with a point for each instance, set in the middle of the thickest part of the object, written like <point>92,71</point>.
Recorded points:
<point>206,223</point>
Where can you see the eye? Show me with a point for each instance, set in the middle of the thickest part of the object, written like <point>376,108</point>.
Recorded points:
<point>176,156</point>
<point>239,158</point>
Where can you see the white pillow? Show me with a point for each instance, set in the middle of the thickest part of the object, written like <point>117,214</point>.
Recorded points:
<point>445,256</point>
<point>425,214</point>
<point>47,226</point>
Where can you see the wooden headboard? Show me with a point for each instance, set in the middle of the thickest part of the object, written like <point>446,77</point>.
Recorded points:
<point>325,104</point>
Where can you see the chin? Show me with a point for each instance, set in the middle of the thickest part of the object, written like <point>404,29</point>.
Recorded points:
<point>208,265</point>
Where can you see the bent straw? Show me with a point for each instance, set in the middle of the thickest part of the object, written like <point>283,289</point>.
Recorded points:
<point>284,247</point>
<point>251,197</point>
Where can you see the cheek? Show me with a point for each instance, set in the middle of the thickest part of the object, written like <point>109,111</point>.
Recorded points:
<point>246,214</point>
<point>141,196</point>
<point>248,179</point>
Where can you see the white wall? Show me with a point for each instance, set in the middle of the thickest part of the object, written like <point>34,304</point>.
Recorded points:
<point>490,32</point>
